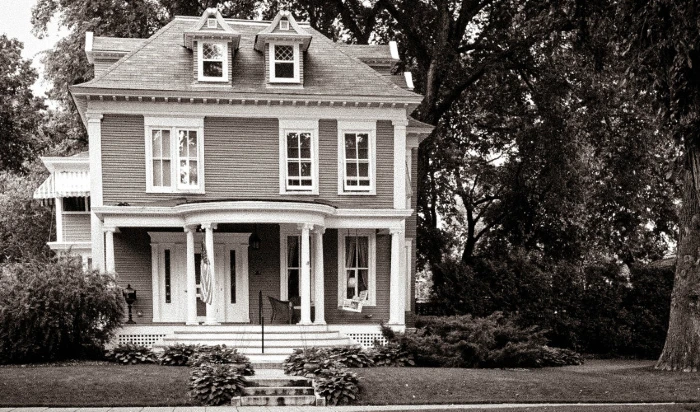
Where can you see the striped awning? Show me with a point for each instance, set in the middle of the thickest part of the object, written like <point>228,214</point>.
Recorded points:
<point>73,183</point>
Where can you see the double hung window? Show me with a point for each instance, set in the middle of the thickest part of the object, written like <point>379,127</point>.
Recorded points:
<point>298,157</point>
<point>356,152</point>
<point>213,62</point>
<point>174,155</point>
<point>357,265</point>
<point>290,280</point>
<point>284,63</point>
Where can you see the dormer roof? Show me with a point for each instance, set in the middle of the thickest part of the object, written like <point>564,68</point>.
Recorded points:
<point>273,32</point>
<point>202,29</point>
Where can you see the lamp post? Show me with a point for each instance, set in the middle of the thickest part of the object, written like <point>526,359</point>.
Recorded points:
<point>130,298</point>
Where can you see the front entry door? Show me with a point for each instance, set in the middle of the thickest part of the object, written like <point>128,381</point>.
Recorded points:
<point>230,298</point>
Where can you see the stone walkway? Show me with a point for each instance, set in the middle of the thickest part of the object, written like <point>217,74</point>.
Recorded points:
<point>504,407</point>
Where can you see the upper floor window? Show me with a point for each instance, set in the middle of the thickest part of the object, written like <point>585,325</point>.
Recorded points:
<point>213,62</point>
<point>174,158</point>
<point>76,204</point>
<point>284,63</point>
<point>298,157</point>
<point>357,157</point>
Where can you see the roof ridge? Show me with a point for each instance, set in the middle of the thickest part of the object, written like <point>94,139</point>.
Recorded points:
<point>131,53</point>
<point>364,65</point>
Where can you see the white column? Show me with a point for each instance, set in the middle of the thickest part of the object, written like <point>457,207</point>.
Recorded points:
<point>191,278</point>
<point>59,218</point>
<point>94,129</point>
<point>110,265</point>
<point>155,281</point>
<point>212,315</point>
<point>305,283</point>
<point>397,294</point>
<point>399,164</point>
<point>319,298</point>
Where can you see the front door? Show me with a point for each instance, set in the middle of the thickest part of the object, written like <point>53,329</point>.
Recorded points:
<point>230,300</point>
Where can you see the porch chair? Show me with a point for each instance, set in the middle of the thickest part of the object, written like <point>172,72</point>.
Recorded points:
<point>282,310</point>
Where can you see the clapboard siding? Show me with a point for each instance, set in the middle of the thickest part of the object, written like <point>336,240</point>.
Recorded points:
<point>264,271</point>
<point>132,255</point>
<point>76,227</point>
<point>241,161</point>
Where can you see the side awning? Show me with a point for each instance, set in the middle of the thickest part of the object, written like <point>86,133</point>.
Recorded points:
<point>65,184</point>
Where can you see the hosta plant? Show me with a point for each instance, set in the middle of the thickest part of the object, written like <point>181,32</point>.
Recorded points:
<point>352,356</point>
<point>391,354</point>
<point>215,384</point>
<point>177,355</point>
<point>294,364</point>
<point>337,385</point>
<point>130,353</point>
<point>222,355</point>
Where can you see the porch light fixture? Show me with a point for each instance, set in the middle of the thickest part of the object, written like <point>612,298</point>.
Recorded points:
<point>130,298</point>
<point>254,239</point>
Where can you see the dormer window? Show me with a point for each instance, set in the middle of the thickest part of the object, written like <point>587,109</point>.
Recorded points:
<point>213,64</point>
<point>284,63</point>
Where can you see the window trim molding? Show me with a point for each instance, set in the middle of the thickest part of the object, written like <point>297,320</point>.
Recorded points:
<point>296,125</point>
<point>372,260</point>
<point>200,62</point>
<point>367,126</point>
<point>271,63</point>
<point>190,123</point>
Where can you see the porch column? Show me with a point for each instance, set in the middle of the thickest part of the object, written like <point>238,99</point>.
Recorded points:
<point>305,283</point>
<point>396,284</point>
<point>319,298</point>
<point>191,278</point>
<point>209,243</point>
<point>110,266</point>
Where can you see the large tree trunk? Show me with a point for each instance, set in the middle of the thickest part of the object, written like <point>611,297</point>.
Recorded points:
<point>682,347</point>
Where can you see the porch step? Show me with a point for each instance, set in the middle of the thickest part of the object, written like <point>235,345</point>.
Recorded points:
<point>241,344</point>
<point>287,400</point>
<point>274,388</point>
<point>279,391</point>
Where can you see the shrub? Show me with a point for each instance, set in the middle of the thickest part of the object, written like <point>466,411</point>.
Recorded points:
<point>215,384</point>
<point>337,385</point>
<point>351,356</point>
<point>294,364</point>
<point>177,355</point>
<point>221,355</point>
<point>130,353</point>
<point>391,354</point>
<point>54,310</point>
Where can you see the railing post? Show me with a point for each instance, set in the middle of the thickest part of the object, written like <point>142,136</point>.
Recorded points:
<point>262,320</point>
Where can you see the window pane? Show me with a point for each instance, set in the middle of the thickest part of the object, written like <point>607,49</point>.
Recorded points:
<point>212,51</point>
<point>362,140</point>
<point>350,252</point>
<point>166,143</point>
<point>362,284</point>
<point>232,265</point>
<point>193,172</point>
<point>364,169</point>
<point>350,152</point>
<point>292,283</point>
<point>166,172</point>
<point>183,172</point>
<point>351,169</point>
<point>193,144</point>
<point>351,182</point>
<point>292,145</point>
<point>293,169</point>
<point>167,276</point>
<point>352,283</point>
<point>363,153</point>
<point>182,142</point>
<point>306,169</point>
<point>306,141</point>
<point>213,69</point>
<point>294,182</point>
<point>284,70</point>
<point>293,251</point>
<point>306,182</point>
<point>285,53</point>
<point>157,173</point>
<point>157,141</point>
<point>364,182</point>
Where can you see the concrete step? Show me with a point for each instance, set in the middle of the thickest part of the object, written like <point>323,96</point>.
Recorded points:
<point>256,381</point>
<point>299,400</point>
<point>257,335</point>
<point>267,358</point>
<point>249,328</point>
<point>278,390</point>
<point>251,343</point>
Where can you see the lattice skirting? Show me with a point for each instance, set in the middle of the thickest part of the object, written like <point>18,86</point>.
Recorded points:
<point>140,339</point>
<point>367,339</point>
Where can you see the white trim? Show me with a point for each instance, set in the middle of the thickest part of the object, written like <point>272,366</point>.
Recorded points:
<point>372,261</point>
<point>369,127</point>
<point>409,80</point>
<point>200,62</point>
<point>94,129</point>
<point>409,273</point>
<point>211,20</point>
<point>394,50</point>
<point>298,125</point>
<point>59,219</point>
<point>272,61</point>
<point>174,124</point>
<point>284,24</point>
<point>399,166</point>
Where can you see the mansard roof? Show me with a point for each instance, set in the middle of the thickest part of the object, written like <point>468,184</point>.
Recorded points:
<point>162,64</point>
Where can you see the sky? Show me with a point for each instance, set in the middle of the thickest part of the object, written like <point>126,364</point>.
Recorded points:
<point>15,21</point>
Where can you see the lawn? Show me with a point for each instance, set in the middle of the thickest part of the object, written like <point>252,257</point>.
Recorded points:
<point>596,381</point>
<point>104,384</point>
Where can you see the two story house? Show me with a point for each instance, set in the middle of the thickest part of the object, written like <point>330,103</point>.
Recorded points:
<point>285,161</point>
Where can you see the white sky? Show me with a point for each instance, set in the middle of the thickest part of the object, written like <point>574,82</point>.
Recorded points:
<point>15,21</point>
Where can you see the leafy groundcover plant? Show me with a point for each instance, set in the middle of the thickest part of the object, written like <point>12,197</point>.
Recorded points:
<point>131,354</point>
<point>55,311</point>
<point>337,385</point>
<point>221,355</point>
<point>177,355</point>
<point>215,384</point>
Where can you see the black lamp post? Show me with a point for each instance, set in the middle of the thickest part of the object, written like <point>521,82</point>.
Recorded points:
<point>130,297</point>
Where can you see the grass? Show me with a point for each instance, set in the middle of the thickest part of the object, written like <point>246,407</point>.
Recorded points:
<point>105,384</point>
<point>596,381</point>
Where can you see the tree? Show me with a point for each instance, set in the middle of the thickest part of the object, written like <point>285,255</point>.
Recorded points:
<point>19,108</point>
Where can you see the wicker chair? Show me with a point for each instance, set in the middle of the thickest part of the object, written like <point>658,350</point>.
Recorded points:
<point>282,310</point>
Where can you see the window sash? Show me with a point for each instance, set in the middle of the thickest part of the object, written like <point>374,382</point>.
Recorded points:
<point>299,163</point>
<point>357,265</point>
<point>175,158</point>
<point>284,69</point>
<point>357,173</point>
